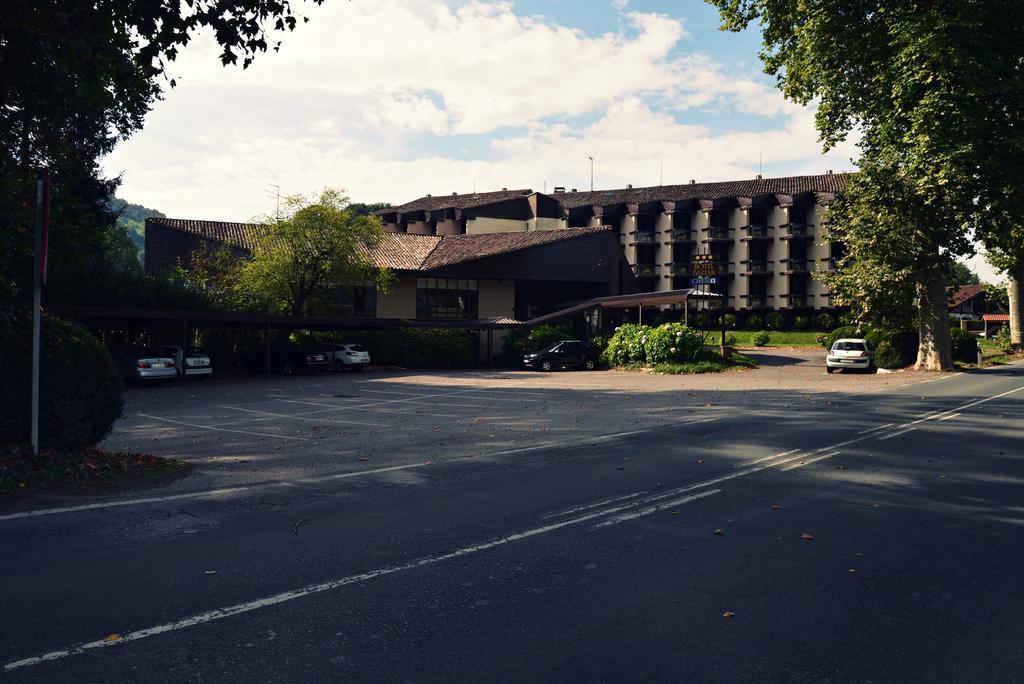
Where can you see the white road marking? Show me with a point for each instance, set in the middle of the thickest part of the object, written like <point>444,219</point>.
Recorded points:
<point>293,417</point>
<point>283,597</point>
<point>808,461</point>
<point>950,417</point>
<point>343,407</point>
<point>896,434</point>
<point>876,429</point>
<point>220,429</point>
<point>450,394</point>
<point>766,458</point>
<point>632,515</point>
<point>126,502</point>
<point>593,505</point>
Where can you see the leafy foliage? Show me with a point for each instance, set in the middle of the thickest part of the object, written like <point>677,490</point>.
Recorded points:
<point>801,322</point>
<point>315,248</point>
<point>80,388</point>
<point>671,343</point>
<point>627,346</point>
<point>961,274</point>
<point>131,218</point>
<point>543,335</point>
<point>762,338</point>
<point>964,346</point>
<point>826,321</point>
<point>755,322</point>
<point>775,321</point>
<point>730,320</point>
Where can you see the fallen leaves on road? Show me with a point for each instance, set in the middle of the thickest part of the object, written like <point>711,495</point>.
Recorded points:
<point>776,507</point>
<point>728,614</point>
<point>700,460</point>
<point>719,532</point>
<point>112,637</point>
<point>209,572</point>
<point>806,537</point>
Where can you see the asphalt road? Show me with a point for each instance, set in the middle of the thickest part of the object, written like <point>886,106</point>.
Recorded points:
<point>564,527</point>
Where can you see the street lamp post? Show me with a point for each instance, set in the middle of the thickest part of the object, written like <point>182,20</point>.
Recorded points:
<point>591,173</point>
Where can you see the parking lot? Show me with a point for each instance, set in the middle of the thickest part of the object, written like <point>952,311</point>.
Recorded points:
<point>243,429</point>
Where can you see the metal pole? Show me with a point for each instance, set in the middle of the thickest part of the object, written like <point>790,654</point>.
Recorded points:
<point>591,173</point>
<point>37,303</point>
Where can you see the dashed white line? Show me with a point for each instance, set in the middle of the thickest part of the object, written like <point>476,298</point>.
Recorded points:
<point>593,505</point>
<point>615,520</point>
<point>801,464</point>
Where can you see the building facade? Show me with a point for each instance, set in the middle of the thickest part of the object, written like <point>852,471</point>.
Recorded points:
<point>767,235</point>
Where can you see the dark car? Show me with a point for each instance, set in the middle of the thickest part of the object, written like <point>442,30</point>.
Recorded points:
<point>283,357</point>
<point>563,354</point>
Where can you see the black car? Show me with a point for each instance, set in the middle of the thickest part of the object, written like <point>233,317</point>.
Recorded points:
<point>563,354</point>
<point>283,357</point>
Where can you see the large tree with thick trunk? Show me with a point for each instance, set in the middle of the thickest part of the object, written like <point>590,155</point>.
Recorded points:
<point>933,90</point>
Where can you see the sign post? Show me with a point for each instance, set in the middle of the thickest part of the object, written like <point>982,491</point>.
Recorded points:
<point>705,272</point>
<point>38,280</point>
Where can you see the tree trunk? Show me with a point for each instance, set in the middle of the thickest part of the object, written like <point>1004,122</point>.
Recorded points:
<point>933,351</point>
<point>1015,292</point>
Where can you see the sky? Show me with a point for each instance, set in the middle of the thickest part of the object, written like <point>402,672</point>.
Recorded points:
<point>394,99</point>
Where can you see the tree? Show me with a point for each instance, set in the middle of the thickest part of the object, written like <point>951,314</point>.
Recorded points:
<point>315,249</point>
<point>933,88</point>
<point>996,297</point>
<point>76,77</point>
<point>364,209</point>
<point>961,274</point>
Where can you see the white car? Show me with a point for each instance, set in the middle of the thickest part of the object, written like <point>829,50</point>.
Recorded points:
<point>849,353</point>
<point>344,356</point>
<point>192,362</point>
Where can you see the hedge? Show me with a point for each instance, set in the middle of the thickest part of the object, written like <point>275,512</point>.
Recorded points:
<point>80,392</point>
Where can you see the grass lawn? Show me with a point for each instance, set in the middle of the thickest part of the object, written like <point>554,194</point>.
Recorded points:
<point>735,362</point>
<point>992,355</point>
<point>778,338</point>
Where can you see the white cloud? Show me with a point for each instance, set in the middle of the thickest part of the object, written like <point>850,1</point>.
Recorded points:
<point>345,100</point>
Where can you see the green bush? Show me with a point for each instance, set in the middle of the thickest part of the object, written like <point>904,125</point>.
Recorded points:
<point>599,343</point>
<point>841,332</point>
<point>755,322</point>
<point>671,343</point>
<point>761,339</point>
<point>626,346</point>
<point>964,346</point>
<point>411,347</point>
<point>730,320</point>
<point>801,322</point>
<point>702,321</point>
<point>886,355</point>
<point>80,389</point>
<point>890,348</point>
<point>1002,339</point>
<point>826,321</point>
<point>821,339</point>
<point>543,335</point>
<point>775,321</point>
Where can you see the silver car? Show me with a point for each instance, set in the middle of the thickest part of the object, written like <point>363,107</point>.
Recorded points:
<point>853,353</point>
<point>192,362</point>
<point>146,364</point>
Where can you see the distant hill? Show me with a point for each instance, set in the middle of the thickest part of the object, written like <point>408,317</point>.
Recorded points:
<point>133,219</point>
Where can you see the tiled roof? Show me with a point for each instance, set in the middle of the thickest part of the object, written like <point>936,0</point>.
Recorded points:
<point>456,249</point>
<point>401,251</point>
<point>789,185</point>
<point>964,293</point>
<point>465,201</point>
<point>236,234</point>
<point>404,252</point>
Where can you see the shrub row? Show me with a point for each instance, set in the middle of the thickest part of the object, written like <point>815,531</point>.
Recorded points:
<point>773,321</point>
<point>898,348</point>
<point>633,345</point>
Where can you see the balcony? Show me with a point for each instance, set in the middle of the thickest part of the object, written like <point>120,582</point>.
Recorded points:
<point>717,234</point>
<point>677,268</point>
<point>643,238</point>
<point>797,266</point>
<point>797,231</point>
<point>799,301</point>
<point>829,264</point>
<point>755,267</point>
<point>678,236</point>
<point>645,270</point>
<point>756,233</point>
<point>760,301</point>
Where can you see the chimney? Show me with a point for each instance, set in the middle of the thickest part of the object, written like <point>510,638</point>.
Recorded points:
<point>629,186</point>
<point>758,176</point>
<point>504,189</point>
<point>693,182</point>
<point>455,193</point>
<point>573,190</point>
<point>559,188</point>
<point>829,172</point>
<point>428,194</point>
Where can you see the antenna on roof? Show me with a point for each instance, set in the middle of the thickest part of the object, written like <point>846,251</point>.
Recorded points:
<point>760,163</point>
<point>276,196</point>
<point>661,171</point>
<point>474,186</point>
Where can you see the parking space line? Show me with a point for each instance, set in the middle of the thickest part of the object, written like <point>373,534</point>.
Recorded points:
<point>416,395</point>
<point>342,407</point>
<point>220,429</point>
<point>293,417</point>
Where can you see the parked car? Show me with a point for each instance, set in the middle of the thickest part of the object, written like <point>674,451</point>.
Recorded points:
<point>192,362</point>
<point>849,353</point>
<point>284,357</point>
<point>145,364</point>
<point>344,356</point>
<point>562,354</point>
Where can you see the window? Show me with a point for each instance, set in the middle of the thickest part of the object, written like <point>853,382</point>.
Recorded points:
<point>446,298</point>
